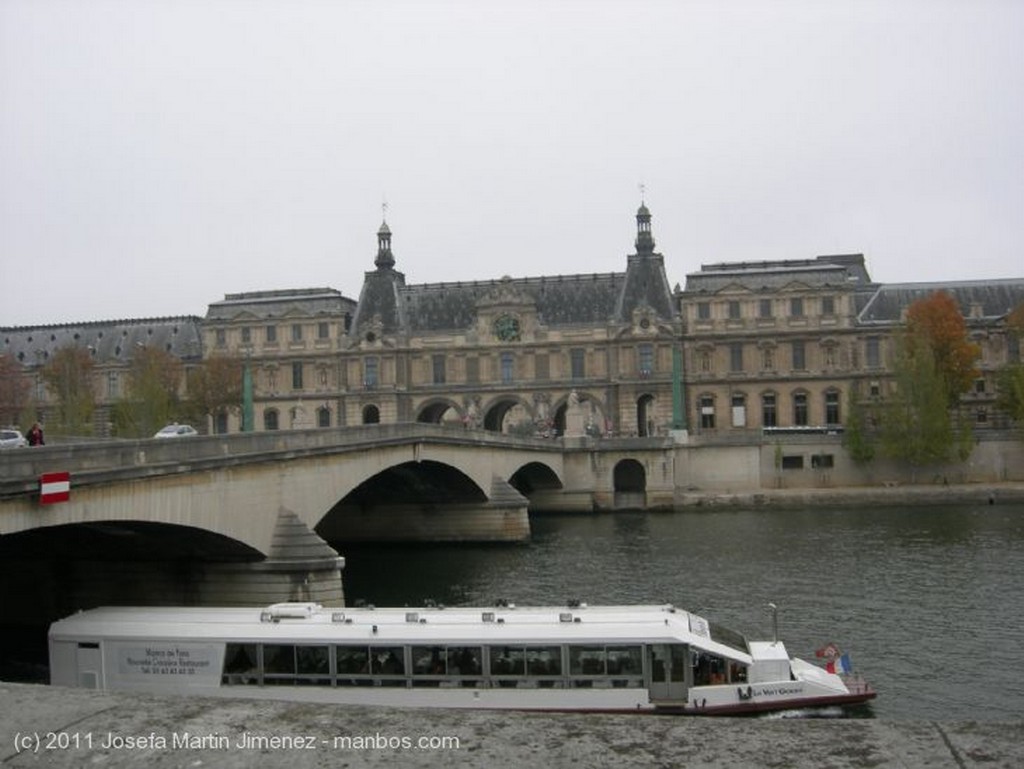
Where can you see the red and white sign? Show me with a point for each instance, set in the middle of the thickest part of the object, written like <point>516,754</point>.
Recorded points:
<point>54,487</point>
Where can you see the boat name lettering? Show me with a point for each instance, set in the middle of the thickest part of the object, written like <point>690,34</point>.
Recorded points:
<point>778,691</point>
<point>170,660</point>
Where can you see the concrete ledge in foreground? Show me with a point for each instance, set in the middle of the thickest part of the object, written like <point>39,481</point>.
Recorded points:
<point>50,726</point>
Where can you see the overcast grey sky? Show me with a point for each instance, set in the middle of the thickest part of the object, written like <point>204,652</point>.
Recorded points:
<point>157,155</point>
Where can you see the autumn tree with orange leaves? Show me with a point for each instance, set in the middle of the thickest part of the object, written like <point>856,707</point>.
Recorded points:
<point>934,366</point>
<point>936,323</point>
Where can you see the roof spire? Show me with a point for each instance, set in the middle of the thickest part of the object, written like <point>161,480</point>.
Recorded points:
<point>644,238</point>
<point>385,259</point>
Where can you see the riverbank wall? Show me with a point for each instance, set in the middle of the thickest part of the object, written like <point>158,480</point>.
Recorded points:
<point>981,494</point>
<point>57,727</point>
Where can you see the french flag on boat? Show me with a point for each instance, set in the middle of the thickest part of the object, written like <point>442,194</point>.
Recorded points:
<point>838,662</point>
<point>840,665</point>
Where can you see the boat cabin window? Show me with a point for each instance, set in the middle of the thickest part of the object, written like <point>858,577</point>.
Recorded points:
<point>352,660</point>
<point>708,669</point>
<point>737,673</point>
<point>430,664</point>
<point>623,665</point>
<point>360,665</point>
<point>240,664</point>
<point>514,665</point>
<point>511,665</point>
<point>296,664</point>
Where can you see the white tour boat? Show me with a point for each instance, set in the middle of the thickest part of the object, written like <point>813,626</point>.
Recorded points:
<point>576,658</point>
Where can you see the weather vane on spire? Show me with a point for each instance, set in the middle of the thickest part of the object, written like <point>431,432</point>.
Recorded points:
<point>384,208</point>
<point>643,189</point>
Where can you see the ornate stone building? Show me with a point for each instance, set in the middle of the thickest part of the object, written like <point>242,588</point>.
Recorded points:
<point>290,340</point>
<point>515,354</point>
<point>785,345</point>
<point>772,344</point>
<point>782,345</point>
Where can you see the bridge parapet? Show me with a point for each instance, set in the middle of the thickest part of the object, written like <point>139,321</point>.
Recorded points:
<point>120,459</point>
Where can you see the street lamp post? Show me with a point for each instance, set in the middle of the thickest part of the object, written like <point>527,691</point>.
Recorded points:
<point>247,407</point>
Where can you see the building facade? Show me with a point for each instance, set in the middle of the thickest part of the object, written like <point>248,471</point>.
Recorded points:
<point>743,348</point>
<point>515,354</point>
<point>110,346</point>
<point>290,342</point>
<point>772,344</point>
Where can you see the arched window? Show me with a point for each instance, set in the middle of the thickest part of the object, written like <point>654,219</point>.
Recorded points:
<point>645,415</point>
<point>371,415</point>
<point>270,419</point>
<point>323,417</point>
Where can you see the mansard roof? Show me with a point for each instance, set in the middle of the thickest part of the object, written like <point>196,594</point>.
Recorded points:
<point>109,341</point>
<point>306,302</point>
<point>986,300</point>
<point>559,300</point>
<point>387,303</point>
<point>835,271</point>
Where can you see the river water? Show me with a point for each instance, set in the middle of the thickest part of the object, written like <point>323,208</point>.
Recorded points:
<point>927,601</point>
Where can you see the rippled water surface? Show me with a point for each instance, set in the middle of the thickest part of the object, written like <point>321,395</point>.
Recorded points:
<point>927,601</point>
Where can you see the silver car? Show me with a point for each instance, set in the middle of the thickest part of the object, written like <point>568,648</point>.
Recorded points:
<point>11,438</point>
<point>176,431</point>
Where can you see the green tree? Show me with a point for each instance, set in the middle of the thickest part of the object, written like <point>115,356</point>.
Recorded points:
<point>68,378</point>
<point>857,437</point>
<point>917,425</point>
<point>152,400</point>
<point>14,390</point>
<point>1010,382</point>
<point>1010,385</point>
<point>215,385</point>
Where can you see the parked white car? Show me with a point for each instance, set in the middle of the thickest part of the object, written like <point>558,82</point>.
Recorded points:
<point>11,438</point>
<point>176,431</point>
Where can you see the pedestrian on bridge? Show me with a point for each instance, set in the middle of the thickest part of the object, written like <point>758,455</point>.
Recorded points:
<point>35,436</point>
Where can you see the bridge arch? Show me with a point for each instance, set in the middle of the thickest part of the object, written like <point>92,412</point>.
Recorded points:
<point>533,480</point>
<point>630,483</point>
<point>404,496</point>
<point>439,411</point>
<point>125,539</point>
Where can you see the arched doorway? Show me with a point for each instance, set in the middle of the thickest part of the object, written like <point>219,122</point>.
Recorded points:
<point>440,412</point>
<point>508,415</point>
<point>645,415</point>
<point>630,482</point>
<point>371,415</point>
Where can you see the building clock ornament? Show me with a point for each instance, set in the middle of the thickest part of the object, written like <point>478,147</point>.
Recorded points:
<point>506,328</point>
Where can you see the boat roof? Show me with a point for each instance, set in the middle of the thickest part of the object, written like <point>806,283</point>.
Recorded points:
<point>311,623</point>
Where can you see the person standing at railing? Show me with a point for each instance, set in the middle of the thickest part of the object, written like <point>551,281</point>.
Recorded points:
<point>35,436</point>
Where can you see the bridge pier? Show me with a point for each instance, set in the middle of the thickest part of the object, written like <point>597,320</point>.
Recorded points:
<point>299,567</point>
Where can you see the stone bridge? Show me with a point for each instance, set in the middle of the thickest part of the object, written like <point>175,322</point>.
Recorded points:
<point>270,502</point>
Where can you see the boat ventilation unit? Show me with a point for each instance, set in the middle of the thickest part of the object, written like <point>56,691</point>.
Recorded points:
<point>280,611</point>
